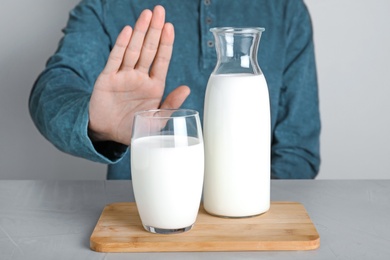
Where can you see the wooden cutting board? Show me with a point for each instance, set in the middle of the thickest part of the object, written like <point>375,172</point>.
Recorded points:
<point>286,226</point>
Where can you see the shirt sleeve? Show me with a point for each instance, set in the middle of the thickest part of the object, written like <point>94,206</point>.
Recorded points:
<point>295,149</point>
<point>60,97</point>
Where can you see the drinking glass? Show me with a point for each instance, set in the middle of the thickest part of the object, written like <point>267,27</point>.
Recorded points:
<point>167,167</point>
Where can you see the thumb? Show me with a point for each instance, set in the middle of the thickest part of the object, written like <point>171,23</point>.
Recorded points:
<point>176,98</point>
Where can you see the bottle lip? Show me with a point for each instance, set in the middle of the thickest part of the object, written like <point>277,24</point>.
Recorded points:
<point>240,30</point>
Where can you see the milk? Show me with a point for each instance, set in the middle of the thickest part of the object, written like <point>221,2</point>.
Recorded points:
<point>237,145</point>
<point>167,180</point>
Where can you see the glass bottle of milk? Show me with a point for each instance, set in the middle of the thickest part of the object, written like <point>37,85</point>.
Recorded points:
<point>237,128</point>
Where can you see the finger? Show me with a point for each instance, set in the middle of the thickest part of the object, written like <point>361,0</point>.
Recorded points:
<point>137,39</point>
<point>152,40</point>
<point>176,98</point>
<point>161,61</point>
<point>117,53</point>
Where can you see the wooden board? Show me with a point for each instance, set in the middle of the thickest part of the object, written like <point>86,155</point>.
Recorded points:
<point>286,226</point>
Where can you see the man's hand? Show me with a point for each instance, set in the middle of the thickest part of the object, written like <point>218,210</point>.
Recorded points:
<point>134,78</point>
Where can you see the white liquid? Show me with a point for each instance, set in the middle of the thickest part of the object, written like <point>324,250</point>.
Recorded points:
<point>167,180</point>
<point>237,145</point>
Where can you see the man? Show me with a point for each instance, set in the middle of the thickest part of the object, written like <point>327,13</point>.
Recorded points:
<point>110,64</point>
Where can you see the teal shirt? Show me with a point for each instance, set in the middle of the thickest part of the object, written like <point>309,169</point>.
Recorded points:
<point>60,96</point>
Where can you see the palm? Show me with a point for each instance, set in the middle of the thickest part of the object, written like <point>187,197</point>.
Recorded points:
<point>129,82</point>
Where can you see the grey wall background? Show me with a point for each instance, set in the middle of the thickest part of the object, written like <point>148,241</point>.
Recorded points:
<point>353,59</point>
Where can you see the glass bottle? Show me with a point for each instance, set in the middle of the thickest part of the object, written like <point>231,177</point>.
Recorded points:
<point>237,128</point>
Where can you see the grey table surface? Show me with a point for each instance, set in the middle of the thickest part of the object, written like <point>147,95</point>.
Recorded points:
<point>54,219</point>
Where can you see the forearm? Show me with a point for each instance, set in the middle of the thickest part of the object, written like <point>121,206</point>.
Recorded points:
<point>59,108</point>
<point>295,163</point>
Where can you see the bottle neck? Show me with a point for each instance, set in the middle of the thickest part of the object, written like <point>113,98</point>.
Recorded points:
<point>237,50</point>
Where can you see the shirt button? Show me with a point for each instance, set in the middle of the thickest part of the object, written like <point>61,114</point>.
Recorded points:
<point>207,2</point>
<point>209,20</point>
<point>210,43</point>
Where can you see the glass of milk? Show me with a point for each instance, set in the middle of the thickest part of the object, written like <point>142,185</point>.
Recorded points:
<point>167,166</point>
